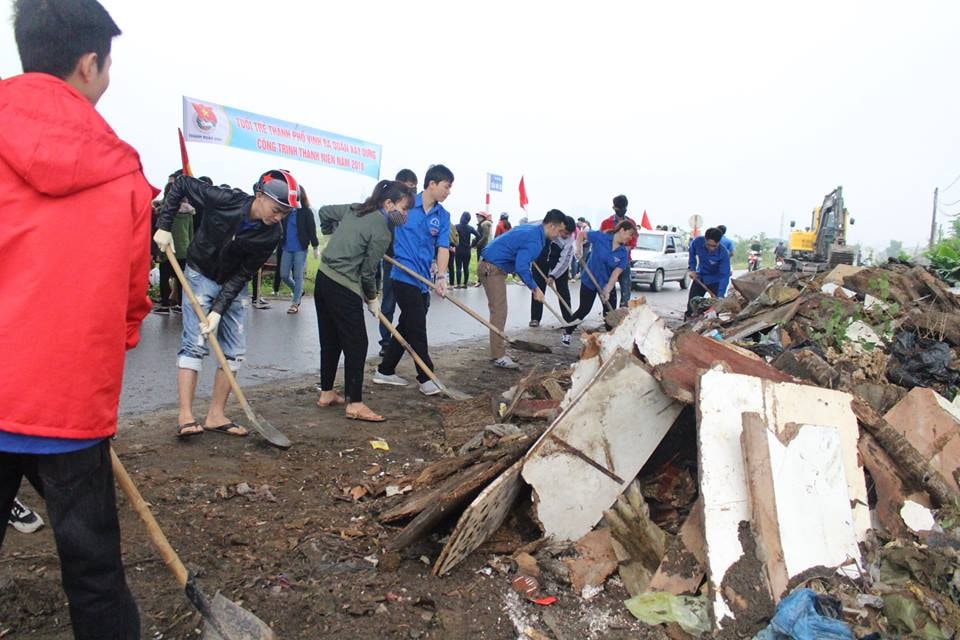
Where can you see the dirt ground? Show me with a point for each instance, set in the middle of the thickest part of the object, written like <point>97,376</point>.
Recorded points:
<point>296,549</point>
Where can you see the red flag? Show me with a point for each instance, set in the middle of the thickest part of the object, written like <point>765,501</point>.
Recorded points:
<point>523,195</point>
<point>645,222</point>
<point>183,154</point>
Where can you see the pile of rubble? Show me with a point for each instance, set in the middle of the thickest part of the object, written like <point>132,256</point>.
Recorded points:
<point>784,467</point>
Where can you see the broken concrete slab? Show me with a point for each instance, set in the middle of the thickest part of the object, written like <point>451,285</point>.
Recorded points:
<point>602,439</point>
<point>722,398</point>
<point>694,354</point>
<point>684,565</point>
<point>841,271</point>
<point>799,500</point>
<point>930,423</point>
<point>594,563</point>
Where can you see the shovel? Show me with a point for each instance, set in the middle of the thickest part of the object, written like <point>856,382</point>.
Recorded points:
<point>554,287</point>
<point>223,619</point>
<point>534,347</point>
<point>612,318</point>
<point>270,433</point>
<point>450,393</point>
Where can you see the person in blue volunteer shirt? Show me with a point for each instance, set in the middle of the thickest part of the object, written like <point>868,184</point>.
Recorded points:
<point>513,252</point>
<point>709,267</point>
<point>609,257</point>
<point>425,235</point>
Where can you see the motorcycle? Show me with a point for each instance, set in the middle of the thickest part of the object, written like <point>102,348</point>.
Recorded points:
<point>753,261</point>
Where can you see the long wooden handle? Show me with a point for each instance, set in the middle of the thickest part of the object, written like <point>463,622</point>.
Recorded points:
<point>211,337</point>
<point>554,287</point>
<point>593,279</point>
<point>473,314</point>
<point>159,540</point>
<point>413,354</point>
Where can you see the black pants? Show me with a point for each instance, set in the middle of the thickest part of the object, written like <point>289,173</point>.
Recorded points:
<point>587,298</point>
<point>166,291</point>
<point>412,326</point>
<point>563,286</point>
<point>342,330</point>
<point>451,266</point>
<point>462,258</point>
<point>82,506</point>
<point>697,290</point>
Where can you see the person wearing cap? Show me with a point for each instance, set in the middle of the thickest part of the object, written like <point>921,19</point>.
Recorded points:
<point>504,225</point>
<point>238,233</point>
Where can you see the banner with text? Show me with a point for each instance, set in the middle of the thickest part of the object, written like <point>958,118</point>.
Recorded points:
<point>217,124</point>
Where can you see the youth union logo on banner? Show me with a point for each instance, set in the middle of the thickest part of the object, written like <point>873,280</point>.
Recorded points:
<point>206,116</point>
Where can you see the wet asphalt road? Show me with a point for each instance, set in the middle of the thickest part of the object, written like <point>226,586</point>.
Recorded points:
<point>284,346</point>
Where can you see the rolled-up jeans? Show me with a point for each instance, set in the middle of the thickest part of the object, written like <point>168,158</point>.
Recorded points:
<point>230,333</point>
<point>295,260</point>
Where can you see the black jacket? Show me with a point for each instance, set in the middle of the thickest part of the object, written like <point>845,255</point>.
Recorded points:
<point>220,251</point>
<point>306,230</point>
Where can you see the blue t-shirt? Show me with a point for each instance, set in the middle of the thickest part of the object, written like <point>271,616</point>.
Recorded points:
<point>711,266</point>
<point>727,244</point>
<point>19,443</point>
<point>603,259</point>
<point>415,243</point>
<point>291,241</point>
<point>513,252</point>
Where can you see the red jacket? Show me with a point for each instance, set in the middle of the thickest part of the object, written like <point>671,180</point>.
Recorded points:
<point>74,260</point>
<point>609,223</point>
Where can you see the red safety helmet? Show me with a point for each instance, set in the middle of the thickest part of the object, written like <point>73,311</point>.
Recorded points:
<point>280,186</point>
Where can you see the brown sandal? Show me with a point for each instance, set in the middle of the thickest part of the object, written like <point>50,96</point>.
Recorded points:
<point>294,308</point>
<point>365,416</point>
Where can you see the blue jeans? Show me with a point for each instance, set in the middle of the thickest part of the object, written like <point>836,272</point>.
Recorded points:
<point>230,334</point>
<point>297,260</point>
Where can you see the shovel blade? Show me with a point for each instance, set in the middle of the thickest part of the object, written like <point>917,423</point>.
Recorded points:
<point>533,347</point>
<point>234,622</point>
<point>269,432</point>
<point>453,394</point>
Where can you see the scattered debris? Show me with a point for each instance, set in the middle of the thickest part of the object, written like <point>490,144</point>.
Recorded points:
<point>380,444</point>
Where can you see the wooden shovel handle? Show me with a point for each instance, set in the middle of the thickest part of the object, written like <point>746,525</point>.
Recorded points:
<point>554,287</point>
<point>159,540</point>
<point>406,345</point>
<point>593,279</point>
<point>473,314</point>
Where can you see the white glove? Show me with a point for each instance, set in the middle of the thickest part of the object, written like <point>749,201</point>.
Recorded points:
<point>316,252</point>
<point>164,239</point>
<point>210,325</point>
<point>374,306</point>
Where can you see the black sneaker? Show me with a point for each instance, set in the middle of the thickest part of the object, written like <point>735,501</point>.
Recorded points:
<point>23,519</point>
<point>176,309</point>
<point>162,309</point>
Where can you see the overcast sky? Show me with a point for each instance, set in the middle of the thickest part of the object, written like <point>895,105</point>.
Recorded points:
<point>743,112</point>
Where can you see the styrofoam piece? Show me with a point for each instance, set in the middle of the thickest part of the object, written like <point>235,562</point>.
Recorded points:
<point>917,517</point>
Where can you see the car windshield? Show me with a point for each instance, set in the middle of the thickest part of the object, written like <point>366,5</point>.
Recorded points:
<point>650,242</point>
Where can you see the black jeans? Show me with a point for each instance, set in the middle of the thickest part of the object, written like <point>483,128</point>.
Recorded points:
<point>82,506</point>
<point>697,290</point>
<point>166,291</point>
<point>563,286</point>
<point>587,297</point>
<point>412,326</point>
<point>342,330</point>
<point>462,259</point>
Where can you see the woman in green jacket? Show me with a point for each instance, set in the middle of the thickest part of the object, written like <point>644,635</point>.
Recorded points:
<point>348,275</point>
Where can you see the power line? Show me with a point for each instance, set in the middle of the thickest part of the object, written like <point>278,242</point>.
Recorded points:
<point>949,204</point>
<point>952,183</point>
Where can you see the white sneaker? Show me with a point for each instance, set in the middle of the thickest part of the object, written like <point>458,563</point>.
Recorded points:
<point>393,380</point>
<point>429,388</point>
<point>23,519</point>
<point>506,362</point>
<point>565,340</point>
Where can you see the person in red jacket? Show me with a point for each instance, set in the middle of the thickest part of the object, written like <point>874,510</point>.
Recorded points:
<point>69,184</point>
<point>619,215</point>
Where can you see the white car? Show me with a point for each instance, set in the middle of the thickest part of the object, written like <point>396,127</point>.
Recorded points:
<point>660,256</point>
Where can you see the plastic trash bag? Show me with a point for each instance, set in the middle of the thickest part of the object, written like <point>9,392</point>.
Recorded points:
<point>803,615</point>
<point>657,607</point>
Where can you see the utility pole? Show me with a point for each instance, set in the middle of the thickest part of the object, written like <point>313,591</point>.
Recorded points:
<point>933,222</point>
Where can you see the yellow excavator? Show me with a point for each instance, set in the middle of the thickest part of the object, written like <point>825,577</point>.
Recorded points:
<point>823,244</point>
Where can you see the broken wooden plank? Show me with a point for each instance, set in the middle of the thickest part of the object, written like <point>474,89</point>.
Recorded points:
<point>890,488</point>
<point>722,398</point>
<point>913,465</point>
<point>481,519</point>
<point>639,543</point>
<point>445,468</point>
<point>931,424</point>
<point>615,423</point>
<point>694,354</point>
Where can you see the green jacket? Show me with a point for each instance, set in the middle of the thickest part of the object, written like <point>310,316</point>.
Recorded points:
<point>356,248</point>
<point>182,230</point>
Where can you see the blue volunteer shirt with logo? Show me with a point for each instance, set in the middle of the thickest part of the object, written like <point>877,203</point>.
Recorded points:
<point>603,259</point>
<point>415,243</point>
<point>513,252</point>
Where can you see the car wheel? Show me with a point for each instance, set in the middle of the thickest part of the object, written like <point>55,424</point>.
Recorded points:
<point>657,283</point>
<point>685,281</point>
